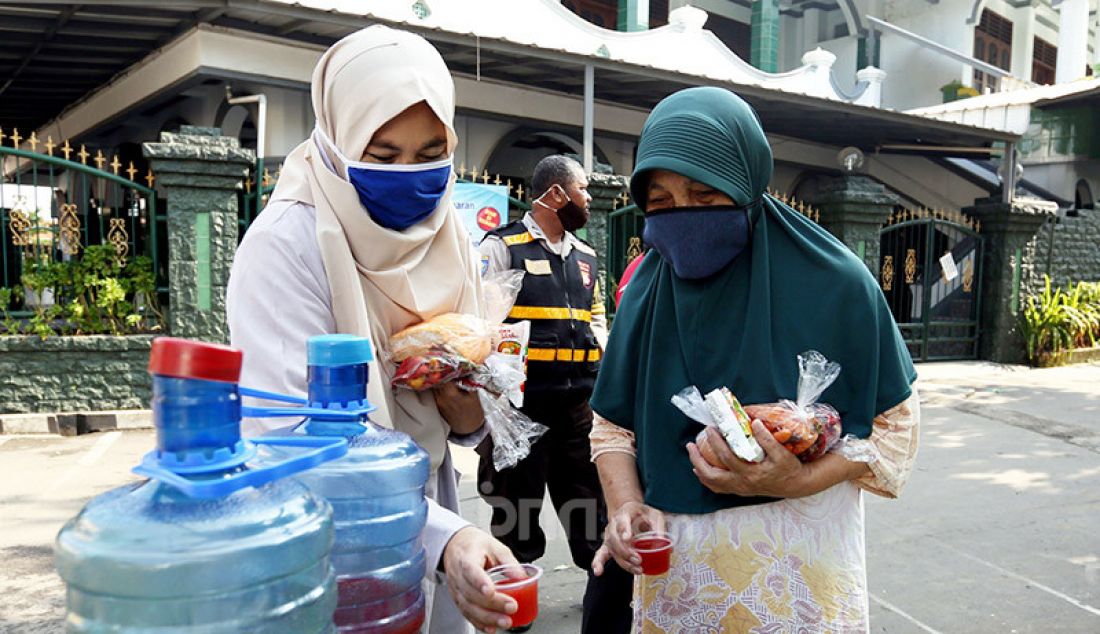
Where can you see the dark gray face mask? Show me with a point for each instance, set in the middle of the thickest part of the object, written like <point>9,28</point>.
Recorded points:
<point>698,241</point>
<point>571,215</point>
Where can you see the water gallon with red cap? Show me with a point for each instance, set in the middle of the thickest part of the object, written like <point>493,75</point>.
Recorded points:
<point>376,492</point>
<point>218,539</point>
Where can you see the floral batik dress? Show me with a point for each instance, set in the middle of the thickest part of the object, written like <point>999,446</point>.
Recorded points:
<point>795,565</point>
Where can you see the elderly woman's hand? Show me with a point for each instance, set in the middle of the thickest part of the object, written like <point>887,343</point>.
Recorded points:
<point>460,408</point>
<point>780,474</point>
<point>625,522</point>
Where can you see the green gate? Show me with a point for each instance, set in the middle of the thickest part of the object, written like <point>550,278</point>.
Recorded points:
<point>258,184</point>
<point>624,243</point>
<point>930,273</point>
<point>54,209</point>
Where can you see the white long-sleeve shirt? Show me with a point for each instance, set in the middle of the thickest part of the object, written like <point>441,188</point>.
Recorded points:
<point>278,297</point>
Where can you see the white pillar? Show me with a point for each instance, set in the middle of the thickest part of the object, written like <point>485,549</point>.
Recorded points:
<point>589,113</point>
<point>872,95</point>
<point>818,77</point>
<point>1073,35</point>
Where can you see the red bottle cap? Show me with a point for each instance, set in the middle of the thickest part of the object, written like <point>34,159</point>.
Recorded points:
<point>187,359</point>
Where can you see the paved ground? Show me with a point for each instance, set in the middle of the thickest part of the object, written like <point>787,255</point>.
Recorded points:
<point>996,532</point>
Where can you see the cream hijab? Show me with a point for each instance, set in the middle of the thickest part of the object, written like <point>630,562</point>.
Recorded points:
<point>383,280</point>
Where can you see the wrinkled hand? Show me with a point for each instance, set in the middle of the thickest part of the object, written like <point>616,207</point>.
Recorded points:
<point>468,554</point>
<point>460,408</point>
<point>780,474</point>
<point>627,521</point>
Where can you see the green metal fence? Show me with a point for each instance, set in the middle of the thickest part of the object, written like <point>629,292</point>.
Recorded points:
<point>624,243</point>
<point>54,206</point>
<point>258,184</point>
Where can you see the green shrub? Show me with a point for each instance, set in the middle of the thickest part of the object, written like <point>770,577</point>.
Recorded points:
<point>1058,320</point>
<point>94,294</point>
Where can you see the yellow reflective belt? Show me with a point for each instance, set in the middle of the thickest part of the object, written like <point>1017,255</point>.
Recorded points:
<point>547,312</point>
<point>563,354</point>
<point>520,238</point>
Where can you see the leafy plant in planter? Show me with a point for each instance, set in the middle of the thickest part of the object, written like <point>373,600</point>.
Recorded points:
<point>94,294</point>
<point>1056,321</point>
<point>1085,301</point>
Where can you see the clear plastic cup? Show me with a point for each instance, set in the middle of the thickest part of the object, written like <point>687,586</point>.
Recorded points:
<point>521,582</point>
<point>655,549</point>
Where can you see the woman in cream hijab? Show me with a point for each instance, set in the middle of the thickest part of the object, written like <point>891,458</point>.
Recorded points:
<point>360,237</point>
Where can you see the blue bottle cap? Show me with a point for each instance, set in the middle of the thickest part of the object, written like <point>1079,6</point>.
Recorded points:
<point>335,350</point>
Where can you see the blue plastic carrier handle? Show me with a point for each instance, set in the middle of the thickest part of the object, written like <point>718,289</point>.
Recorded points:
<point>321,449</point>
<point>351,415</point>
<point>271,396</point>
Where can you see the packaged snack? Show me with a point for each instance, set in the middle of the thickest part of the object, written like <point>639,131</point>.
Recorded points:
<point>721,410</point>
<point>511,342</point>
<point>805,427</point>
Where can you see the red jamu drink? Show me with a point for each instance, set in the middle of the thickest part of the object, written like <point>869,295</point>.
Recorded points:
<point>655,549</point>
<point>375,606</point>
<point>522,584</point>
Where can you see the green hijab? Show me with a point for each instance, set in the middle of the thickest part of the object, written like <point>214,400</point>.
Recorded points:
<point>795,288</point>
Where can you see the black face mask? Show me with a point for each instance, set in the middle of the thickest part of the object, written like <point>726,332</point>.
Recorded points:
<point>571,215</point>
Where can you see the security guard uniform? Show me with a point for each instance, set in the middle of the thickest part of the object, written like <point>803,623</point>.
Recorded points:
<point>559,297</point>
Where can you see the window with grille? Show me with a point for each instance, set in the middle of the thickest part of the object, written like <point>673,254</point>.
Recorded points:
<point>993,44</point>
<point>1044,62</point>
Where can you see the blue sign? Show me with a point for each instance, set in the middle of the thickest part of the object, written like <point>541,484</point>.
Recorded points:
<point>481,207</point>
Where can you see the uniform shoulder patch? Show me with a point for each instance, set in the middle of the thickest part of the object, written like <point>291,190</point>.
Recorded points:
<point>519,238</point>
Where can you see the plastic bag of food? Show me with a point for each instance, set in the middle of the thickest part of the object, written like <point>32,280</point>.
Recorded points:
<point>480,354</point>
<point>805,427</point>
<point>423,372</point>
<point>452,346</point>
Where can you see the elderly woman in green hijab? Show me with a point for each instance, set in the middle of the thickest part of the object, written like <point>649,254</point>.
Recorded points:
<point>737,285</point>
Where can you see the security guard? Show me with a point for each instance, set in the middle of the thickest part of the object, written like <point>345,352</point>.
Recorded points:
<point>561,298</point>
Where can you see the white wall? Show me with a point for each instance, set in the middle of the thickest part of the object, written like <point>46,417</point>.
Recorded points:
<point>1060,178</point>
<point>289,120</point>
<point>944,23</point>
<point>844,68</point>
<point>477,137</point>
<point>915,177</point>
<point>784,176</point>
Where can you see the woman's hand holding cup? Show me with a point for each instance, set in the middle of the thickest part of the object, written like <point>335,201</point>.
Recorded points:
<point>630,519</point>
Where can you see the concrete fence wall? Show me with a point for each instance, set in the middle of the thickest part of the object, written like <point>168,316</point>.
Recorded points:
<point>67,374</point>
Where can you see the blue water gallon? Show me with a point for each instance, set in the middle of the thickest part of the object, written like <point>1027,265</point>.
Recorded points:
<point>376,492</point>
<point>217,540</point>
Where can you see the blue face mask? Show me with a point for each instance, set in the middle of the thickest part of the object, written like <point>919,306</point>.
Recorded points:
<point>698,241</point>
<point>397,196</point>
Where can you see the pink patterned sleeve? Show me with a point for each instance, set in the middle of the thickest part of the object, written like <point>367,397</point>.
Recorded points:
<point>607,437</point>
<point>894,440</point>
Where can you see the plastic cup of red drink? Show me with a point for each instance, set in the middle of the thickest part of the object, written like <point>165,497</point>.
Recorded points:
<point>655,549</point>
<point>521,582</point>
